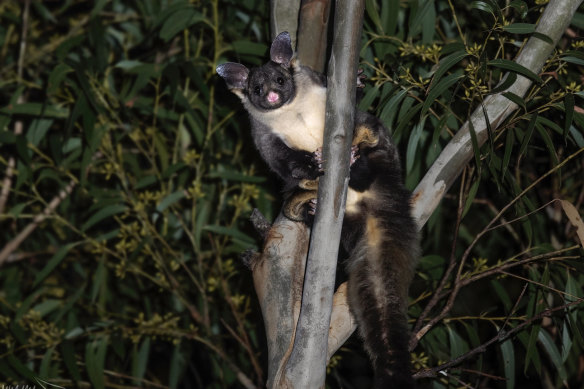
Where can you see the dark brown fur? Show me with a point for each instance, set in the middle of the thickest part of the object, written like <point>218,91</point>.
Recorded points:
<point>378,233</point>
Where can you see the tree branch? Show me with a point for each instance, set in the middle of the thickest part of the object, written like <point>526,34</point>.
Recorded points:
<point>307,364</point>
<point>427,195</point>
<point>14,243</point>
<point>281,267</point>
<point>501,335</point>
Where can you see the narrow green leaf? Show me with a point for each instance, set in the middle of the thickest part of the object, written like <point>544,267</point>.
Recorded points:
<point>440,88</point>
<point>37,130</point>
<point>179,21</point>
<point>475,145</point>
<point>446,63</point>
<point>531,349</point>
<point>528,134</point>
<point>57,76</point>
<point>140,360</point>
<point>515,99</point>
<point>520,28</point>
<point>170,199</point>
<point>543,37</point>
<point>47,306</point>
<point>95,361</point>
<point>71,144</point>
<point>577,135</point>
<point>232,232</point>
<point>573,291</point>
<point>232,175</point>
<point>129,64</point>
<point>204,211</point>
<point>98,7</point>
<point>502,293</point>
<point>70,302</point>
<point>483,6</point>
<point>74,333</point>
<point>566,342</point>
<point>36,109</point>
<point>17,210</point>
<point>429,23</point>
<point>545,122</point>
<point>509,139</point>
<point>244,47</point>
<point>68,353</point>
<point>520,6</point>
<point>21,368</point>
<point>177,366</point>
<point>390,110</point>
<point>458,345</point>
<point>405,115</point>
<point>550,347</point>
<point>99,279</point>
<point>161,150</point>
<point>390,13</point>
<point>569,104</point>
<point>369,97</point>
<point>413,144</point>
<point>515,67</point>
<point>55,260</point>
<point>548,142</point>
<point>102,214</point>
<point>505,84</point>
<point>509,362</point>
<point>7,137</point>
<point>417,22</point>
<point>371,9</point>
<point>44,12</point>
<point>471,196</point>
<point>574,60</point>
<point>45,367</point>
<point>6,371</point>
<point>145,182</point>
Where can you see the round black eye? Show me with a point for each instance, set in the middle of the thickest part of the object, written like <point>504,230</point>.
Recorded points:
<point>280,80</point>
<point>257,90</point>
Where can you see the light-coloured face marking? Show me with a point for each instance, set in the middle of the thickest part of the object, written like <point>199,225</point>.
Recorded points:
<point>300,123</point>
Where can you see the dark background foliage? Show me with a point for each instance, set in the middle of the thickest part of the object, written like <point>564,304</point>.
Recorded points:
<point>129,176</point>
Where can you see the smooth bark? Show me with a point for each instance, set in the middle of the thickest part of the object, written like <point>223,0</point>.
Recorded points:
<point>312,33</point>
<point>279,271</point>
<point>284,17</point>
<point>554,21</point>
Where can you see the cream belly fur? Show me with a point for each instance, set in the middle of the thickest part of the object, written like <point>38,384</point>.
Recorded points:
<point>300,124</point>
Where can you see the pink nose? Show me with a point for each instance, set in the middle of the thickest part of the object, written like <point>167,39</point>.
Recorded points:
<point>273,97</point>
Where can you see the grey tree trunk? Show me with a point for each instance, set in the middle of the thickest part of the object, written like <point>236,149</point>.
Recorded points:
<point>297,356</point>
<point>307,364</point>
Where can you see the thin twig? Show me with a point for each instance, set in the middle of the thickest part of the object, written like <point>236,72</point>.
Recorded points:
<point>18,125</point>
<point>501,336</point>
<point>38,219</point>
<point>459,281</point>
<point>416,333</point>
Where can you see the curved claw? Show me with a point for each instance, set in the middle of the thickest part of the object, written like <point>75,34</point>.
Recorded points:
<point>312,206</point>
<point>354,154</point>
<point>360,78</point>
<point>317,155</point>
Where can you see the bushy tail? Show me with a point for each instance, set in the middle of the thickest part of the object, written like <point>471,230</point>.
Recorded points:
<point>380,272</point>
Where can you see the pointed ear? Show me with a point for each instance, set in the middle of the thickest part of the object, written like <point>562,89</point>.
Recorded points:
<point>234,74</point>
<point>281,51</point>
